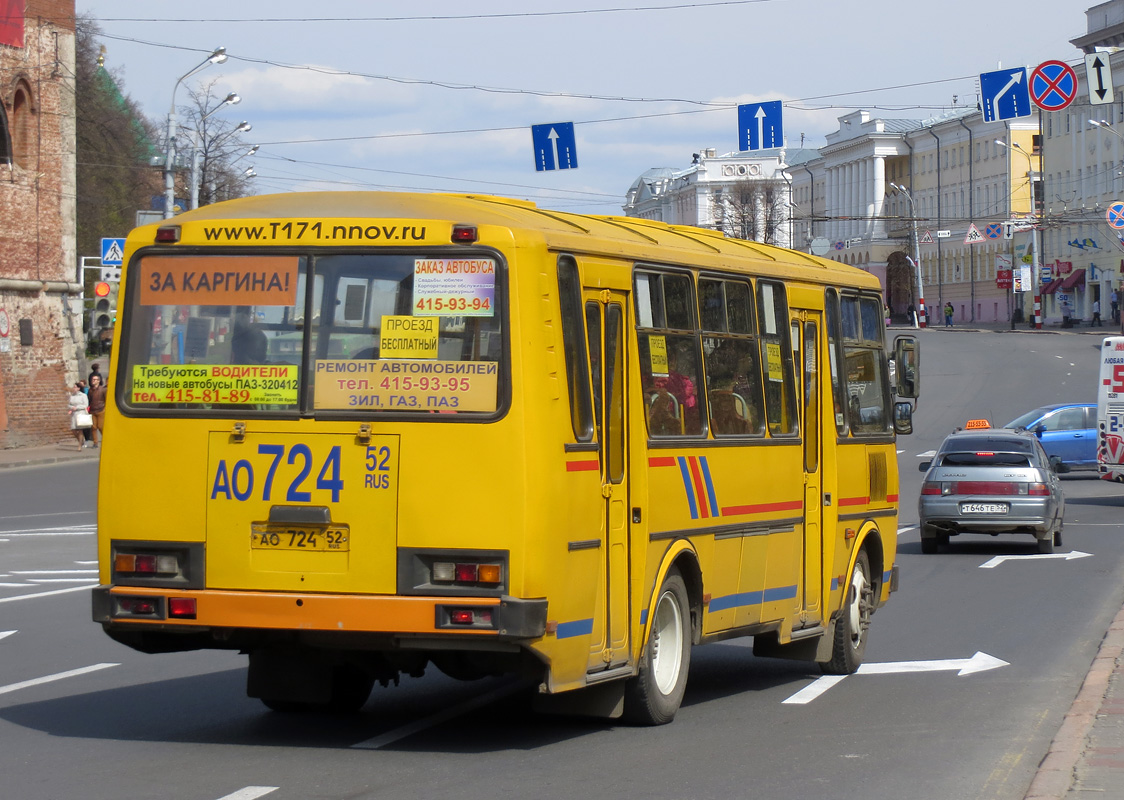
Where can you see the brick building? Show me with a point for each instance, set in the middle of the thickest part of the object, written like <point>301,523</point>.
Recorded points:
<point>40,298</point>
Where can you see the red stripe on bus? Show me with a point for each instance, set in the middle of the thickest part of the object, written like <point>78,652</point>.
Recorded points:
<point>661,461</point>
<point>700,490</point>
<point>854,501</point>
<point>891,498</point>
<point>789,505</point>
<point>582,466</point>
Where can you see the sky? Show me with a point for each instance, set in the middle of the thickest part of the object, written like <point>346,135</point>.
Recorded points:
<point>440,95</point>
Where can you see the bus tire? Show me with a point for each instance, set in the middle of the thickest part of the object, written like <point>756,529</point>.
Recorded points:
<point>653,696</point>
<point>849,644</point>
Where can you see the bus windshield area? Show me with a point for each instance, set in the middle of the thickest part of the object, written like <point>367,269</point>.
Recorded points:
<point>291,334</point>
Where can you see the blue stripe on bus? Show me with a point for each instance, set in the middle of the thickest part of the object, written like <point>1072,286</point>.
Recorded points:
<point>709,487</point>
<point>689,485</point>
<point>751,598</point>
<point>644,617</point>
<point>579,627</point>
<point>834,584</point>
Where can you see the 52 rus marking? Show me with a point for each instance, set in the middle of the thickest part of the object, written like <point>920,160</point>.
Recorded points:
<point>238,481</point>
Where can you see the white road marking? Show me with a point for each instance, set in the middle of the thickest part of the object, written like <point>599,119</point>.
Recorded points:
<point>84,587</point>
<point>436,719</point>
<point>86,562</point>
<point>50,532</point>
<point>250,793</point>
<point>5,634</point>
<point>980,662</point>
<point>927,454</point>
<point>995,562</point>
<point>813,690</point>
<point>51,514</point>
<point>89,580</point>
<point>58,676</point>
<point>54,572</point>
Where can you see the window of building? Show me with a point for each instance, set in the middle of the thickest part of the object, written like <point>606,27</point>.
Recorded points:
<point>5,138</point>
<point>22,127</point>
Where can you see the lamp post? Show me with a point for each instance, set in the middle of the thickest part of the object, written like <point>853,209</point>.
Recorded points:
<point>1036,278</point>
<point>231,99</point>
<point>216,57</point>
<point>922,317</point>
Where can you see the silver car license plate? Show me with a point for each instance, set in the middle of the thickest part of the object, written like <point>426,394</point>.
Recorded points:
<point>984,508</point>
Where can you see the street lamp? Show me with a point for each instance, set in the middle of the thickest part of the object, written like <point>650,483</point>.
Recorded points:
<point>216,57</point>
<point>916,260</point>
<point>1036,278</point>
<point>231,99</point>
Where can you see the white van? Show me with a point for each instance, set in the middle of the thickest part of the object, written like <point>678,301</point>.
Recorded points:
<point>1110,410</point>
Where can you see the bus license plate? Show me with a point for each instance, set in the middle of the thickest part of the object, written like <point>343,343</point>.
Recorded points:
<point>296,537</point>
<point>984,508</point>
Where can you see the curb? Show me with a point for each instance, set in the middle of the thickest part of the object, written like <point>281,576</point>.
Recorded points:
<point>1058,771</point>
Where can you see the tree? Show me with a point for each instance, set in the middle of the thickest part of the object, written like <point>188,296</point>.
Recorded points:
<point>211,141</point>
<point>752,210</point>
<point>113,149</point>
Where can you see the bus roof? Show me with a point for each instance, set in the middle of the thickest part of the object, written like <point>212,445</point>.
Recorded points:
<point>657,242</point>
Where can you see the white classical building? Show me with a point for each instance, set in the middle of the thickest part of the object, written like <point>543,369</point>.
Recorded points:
<point>747,195</point>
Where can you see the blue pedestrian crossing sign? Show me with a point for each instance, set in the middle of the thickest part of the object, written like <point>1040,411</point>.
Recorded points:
<point>1006,94</point>
<point>555,146</point>
<point>112,252</point>
<point>760,126</point>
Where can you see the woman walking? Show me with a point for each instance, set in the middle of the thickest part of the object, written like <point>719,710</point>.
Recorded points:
<point>77,404</point>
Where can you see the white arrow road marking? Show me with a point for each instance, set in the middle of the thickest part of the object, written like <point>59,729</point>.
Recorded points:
<point>58,676</point>
<point>83,588</point>
<point>980,662</point>
<point>5,634</point>
<point>250,793</point>
<point>995,562</point>
<point>927,454</point>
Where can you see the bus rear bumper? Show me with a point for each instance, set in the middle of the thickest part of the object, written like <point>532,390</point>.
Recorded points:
<point>125,608</point>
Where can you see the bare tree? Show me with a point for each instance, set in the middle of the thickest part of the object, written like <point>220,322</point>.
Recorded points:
<point>752,210</point>
<point>213,141</point>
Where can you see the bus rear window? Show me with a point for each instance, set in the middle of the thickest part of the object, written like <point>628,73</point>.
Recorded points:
<point>367,333</point>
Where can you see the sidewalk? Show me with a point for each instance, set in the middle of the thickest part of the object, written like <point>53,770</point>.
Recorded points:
<point>47,454</point>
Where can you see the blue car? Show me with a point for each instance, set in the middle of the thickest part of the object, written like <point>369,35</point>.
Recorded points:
<point>1066,430</point>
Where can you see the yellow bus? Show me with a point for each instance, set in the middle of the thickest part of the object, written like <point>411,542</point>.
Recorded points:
<point>357,434</point>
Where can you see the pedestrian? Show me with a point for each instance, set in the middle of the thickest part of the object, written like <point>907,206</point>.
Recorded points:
<point>78,407</point>
<point>87,433</point>
<point>94,370</point>
<point>1114,299</point>
<point>1096,314</point>
<point>948,311</point>
<point>97,407</point>
<point>1067,312</point>
<point>911,312</point>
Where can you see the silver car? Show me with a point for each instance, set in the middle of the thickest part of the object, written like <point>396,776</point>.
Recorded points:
<point>991,481</point>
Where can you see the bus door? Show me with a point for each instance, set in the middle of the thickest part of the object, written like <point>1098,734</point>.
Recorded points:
<point>605,315</point>
<point>806,342</point>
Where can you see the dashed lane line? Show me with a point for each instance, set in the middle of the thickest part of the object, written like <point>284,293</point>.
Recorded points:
<point>250,793</point>
<point>84,587</point>
<point>58,676</point>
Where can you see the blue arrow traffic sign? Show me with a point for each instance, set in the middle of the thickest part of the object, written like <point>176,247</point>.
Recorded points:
<point>760,126</point>
<point>1005,94</point>
<point>555,146</point>
<point>112,252</point>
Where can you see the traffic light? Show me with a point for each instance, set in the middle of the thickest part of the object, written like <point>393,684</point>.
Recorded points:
<point>105,304</point>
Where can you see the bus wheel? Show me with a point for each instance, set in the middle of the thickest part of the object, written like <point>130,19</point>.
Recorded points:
<point>654,695</point>
<point>850,628</point>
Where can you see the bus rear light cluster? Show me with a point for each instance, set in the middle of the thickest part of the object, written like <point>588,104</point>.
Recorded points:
<point>471,616</point>
<point>145,564</point>
<point>139,606</point>
<point>466,573</point>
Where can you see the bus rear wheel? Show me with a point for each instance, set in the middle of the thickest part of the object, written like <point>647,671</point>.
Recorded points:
<point>654,695</point>
<point>849,644</point>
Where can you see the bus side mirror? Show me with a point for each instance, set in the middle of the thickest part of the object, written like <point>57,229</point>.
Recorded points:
<point>903,418</point>
<point>907,359</point>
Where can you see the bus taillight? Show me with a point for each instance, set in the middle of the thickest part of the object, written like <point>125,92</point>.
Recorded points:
<point>181,608</point>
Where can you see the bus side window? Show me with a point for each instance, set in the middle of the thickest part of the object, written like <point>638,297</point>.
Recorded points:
<point>776,359</point>
<point>733,377</point>
<point>668,353</point>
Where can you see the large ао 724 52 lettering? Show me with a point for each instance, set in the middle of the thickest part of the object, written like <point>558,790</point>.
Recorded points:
<point>271,481</point>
